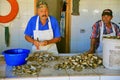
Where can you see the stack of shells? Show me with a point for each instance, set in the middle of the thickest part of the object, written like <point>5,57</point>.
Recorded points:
<point>35,63</point>
<point>80,62</point>
<point>40,60</point>
<point>112,37</point>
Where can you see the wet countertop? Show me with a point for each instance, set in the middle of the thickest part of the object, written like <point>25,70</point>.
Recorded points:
<point>100,73</point>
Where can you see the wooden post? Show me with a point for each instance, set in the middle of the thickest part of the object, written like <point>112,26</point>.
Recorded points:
<point>35,9</point>
<point>68,25</point>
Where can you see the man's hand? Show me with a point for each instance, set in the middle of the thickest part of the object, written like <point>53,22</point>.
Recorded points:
<point>90,52</point>
<point>44,43</point>
<point>37,44</point>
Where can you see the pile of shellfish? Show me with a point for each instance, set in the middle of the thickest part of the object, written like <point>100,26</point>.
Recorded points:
<point>80,62</point>
<point>35,62</point>
<point>112,37</point>
<point>41,60</point>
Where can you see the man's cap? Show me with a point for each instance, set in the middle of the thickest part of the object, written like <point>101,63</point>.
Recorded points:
<point>41,4</point>
<point>107,12</point>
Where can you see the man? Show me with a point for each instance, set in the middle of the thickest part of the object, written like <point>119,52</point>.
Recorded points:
<point>102,28</point>
<point>43,30</point>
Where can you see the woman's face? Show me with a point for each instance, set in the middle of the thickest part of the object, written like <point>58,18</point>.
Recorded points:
<point>106,19</point>
<point>43,12</point>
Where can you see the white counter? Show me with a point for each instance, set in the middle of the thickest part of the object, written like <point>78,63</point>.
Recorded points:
<point>99,73</point>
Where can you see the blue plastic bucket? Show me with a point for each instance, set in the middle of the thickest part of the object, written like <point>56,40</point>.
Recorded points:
<point>16,57</point>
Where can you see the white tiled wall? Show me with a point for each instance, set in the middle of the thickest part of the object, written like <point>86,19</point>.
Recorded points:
<point>18,25</point>
<point>54,78</point>
<point>110,78</point>
<point>84,78</point>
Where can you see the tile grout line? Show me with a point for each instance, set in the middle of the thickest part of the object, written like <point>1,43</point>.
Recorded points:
<point>97,74</point>
<point>67,74</point>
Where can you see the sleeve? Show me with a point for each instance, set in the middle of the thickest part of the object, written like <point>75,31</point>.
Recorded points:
<point>56,29</point>
<point>29,28</point>
<point>117,29</point>
<point>95,31</point>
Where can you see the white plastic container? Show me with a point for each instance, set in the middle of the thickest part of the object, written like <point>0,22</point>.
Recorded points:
<point>111,53</point>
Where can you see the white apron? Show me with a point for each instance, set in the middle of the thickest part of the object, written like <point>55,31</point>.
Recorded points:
<point>44,35</point>
<point>100,48</point>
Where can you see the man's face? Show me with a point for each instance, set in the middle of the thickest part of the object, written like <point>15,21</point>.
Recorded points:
<point>43,12</point>
<point>106,18</point>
